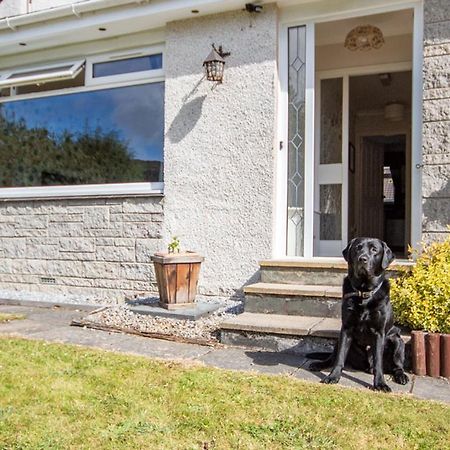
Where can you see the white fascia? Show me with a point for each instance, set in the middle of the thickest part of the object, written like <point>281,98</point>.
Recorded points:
<point>79,22</point>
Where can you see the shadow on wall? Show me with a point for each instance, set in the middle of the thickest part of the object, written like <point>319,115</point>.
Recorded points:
<point>186,119</point>
<point>439,214</point>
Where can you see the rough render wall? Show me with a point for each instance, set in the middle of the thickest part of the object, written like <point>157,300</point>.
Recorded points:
<point>436,117</point>
<point>94,248</point>
<point>219,146</point>
<point>10,8</point>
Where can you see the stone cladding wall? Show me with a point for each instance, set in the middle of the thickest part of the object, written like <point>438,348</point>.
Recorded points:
<point>436,121</point>
<point>99,248</point>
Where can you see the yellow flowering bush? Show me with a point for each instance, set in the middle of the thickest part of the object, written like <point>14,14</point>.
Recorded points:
<point>421,297</point>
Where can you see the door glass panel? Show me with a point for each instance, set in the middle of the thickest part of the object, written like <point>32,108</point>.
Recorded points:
<point>296,139</point>
<point>330,212</point>
<point>331,121</point>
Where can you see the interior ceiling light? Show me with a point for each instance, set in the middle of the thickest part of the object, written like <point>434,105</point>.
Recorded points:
<point>385,79</point>
<point>364,37</point>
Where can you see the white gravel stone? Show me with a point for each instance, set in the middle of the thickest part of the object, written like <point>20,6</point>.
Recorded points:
<point>205,328</point>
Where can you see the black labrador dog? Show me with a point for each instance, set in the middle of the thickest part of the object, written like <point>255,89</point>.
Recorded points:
<point>368,339</point>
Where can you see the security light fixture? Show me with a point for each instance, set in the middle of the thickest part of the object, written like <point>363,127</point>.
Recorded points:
<point>364,37</point>
<point>253,8</point>
<point>214,64</point>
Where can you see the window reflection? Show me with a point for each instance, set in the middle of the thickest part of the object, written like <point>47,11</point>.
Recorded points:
<point>104,136</point>
<point>129,65</point>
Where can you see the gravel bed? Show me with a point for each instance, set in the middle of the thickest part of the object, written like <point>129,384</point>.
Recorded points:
<point>205,328</point>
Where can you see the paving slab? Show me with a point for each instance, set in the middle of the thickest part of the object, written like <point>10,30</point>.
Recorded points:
<point>121,342</point>
<point>54,325</point>
<point>432,388</point>
<point>245,359</point>
<point>48,304</point>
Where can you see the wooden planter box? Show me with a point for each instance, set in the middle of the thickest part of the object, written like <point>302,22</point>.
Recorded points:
<point>430,353</point>
<point>177,277</point>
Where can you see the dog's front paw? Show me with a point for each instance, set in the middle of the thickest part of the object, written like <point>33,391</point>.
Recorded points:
<point>330,380</point>
<point>400,377</point>
<point>383,387</point>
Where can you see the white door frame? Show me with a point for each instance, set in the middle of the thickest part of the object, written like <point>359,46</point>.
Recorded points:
<point>309,19</point>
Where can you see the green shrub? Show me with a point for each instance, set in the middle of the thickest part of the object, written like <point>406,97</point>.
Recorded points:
<point>421,297</point>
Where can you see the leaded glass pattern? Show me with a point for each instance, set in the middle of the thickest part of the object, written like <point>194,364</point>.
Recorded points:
<point>296,140</point>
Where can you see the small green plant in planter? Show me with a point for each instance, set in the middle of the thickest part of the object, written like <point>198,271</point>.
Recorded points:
<point>174,245</point>
<point>421,301</point>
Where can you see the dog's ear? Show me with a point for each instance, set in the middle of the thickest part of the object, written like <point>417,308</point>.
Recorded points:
<point>346,250</point>
<point>388,256</point>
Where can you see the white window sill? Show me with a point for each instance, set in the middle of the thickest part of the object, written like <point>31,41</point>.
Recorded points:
<point>88,190</point>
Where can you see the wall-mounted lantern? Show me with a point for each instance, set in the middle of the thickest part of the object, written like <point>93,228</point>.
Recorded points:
<point>214,64</point>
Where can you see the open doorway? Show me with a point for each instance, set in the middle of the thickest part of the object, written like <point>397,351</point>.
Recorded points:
<point>363,135</point>
<point>379,158</point>
<point>380,190</point>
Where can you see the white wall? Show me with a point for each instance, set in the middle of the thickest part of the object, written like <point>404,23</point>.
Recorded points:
<point>10,8</point>
<point>219,146</point>
<point>37,5</point>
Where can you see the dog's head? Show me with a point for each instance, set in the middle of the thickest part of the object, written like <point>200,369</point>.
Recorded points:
<point>368,257</point>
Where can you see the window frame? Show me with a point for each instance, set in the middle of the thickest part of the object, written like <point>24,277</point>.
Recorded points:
<point>91,84</point>
<point>24,80</point>
<point>118,56</point>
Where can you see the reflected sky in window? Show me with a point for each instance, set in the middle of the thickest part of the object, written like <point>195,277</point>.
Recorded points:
<point>134,113</point>
<point>129,65</point>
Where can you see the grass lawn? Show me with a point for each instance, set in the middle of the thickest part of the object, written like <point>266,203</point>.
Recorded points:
<point>65,397</point>
<point>8,317</point>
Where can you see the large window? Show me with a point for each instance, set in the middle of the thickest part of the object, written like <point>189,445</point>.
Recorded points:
<point>68,132</point>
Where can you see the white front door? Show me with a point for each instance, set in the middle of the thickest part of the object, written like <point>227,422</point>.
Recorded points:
<point>331,165</point>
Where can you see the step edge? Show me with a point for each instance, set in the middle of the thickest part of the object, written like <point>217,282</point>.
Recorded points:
<point>318,327</point>
<point>292,290</point>
<point>286,263</point>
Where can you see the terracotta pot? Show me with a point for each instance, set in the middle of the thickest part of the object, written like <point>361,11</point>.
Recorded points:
<point>418,352</point>
<point>445,355</point>
<point>432,354</point>
<point>177,277</point>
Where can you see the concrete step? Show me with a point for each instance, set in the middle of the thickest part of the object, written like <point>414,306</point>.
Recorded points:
<point>289,334</point>
<point>276,332</point>
<point>298,300</point>
<point>321,271</point>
